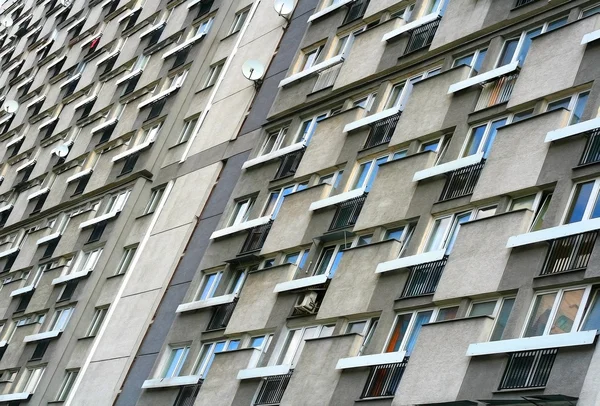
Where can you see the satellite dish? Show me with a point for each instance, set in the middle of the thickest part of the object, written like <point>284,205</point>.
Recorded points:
<point>6,22</point>
<point>253,70</point>
<point>65,3</point>
<point>10,106</point>
<point>61,151</point>
<point>284,7</point>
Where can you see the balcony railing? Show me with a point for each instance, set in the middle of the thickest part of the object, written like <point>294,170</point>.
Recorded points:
<point>528,369</point>
<point>524,2</point>
<point>591,154</point>
<point>256,238</point>
<point>422,36</point>
<point>356,10</point>
<point>382,131</point>
<point>569,253</point>
<point>383,380</point>
<point>462,181</point>
<point>497,91</point>
<point>187,395</point>
<point>327,77</point>
<point>347,213</point>
<point>221,316</point>
<point>424,278</point>
<point>272,389</point>
<point>289,164</point>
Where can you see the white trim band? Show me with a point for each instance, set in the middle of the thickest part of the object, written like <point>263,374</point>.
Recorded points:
<point>410,26</point>
<point>448,167</point>
<point>373,118</point>
<point>186,44</point>
<point>41,336</point>
<point>105,124</point>
<point>336,199</point>
<point>73,78</point>
<point>161,95</point>
<point>39,193</point>
<point>78,175</point>
<point>312,70</point>
<point>48,238</point>
<point>98,219</point>
<point>129,76</point>
<point>71,276</point>
<point>371,360</point>
<point>263,372</point>
<point>133,150</point>
<point>484,77</point>
<point>26,164</point>
<point>300,283</point>
<point>202,304</point>
<point>590,37</point>
<point>553,233</point>
<point>16,140</point>
<point>14,396</point>
<point>170,382</point>
<point>328,10</point>
<point>412,260</point>
<point>240,227</point>
<point>22,290</point>
<point>272,155</point>
<point>572,130</point>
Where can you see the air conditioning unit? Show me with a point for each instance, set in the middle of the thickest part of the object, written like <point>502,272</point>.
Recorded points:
<point>307,303</point>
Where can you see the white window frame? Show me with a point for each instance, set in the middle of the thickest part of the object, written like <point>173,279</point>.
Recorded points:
<point>304,57</point>
<point>238,21</point>
<point>407,12</point>
<point>116,202</point>
<point>486,134</point>
<point>572,103</point>
<point>587,9</point>
<point>280,353</point>
<point>410,328</point>
<point>407,87</point>
<point>337,248</point>
<point>97,321</point>
<point>356,171</point>
<point>212,287</point>
<point>155,197</point>
<point>202,28</point>
<point>594,197</point>
<point>441,149</point>
<point>59,321</point>
<point>86,261</point>
<point>188,129</point>
<point>312,126</point>
<point>371,325</point>
<point>31,379</point>
<point>170,358</point>
<point>126,259</point>
<point>448,231</point>
<point>280,136</point>
<point>475,54</point>
<point>201,364</point>
<point>538,203</point>
<point>336,179</point>
<point>281,197</point>
<point>521,37</point>
<point>67,384</point>
<point>241,211</point>
<point>495,313</point>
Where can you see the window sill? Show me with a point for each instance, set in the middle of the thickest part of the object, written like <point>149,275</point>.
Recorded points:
<point>572,130</point>
<point>410,26</point>
<point>118,275</point>
<point>312,70</point>
<point>406,262</point>
<point>484,77</point>
<point>370,360</point>
<point>300,283</point>
<point>240,227</point>
<point>86,338</point>
<point>447,167</point>
<point>203,304</point>
<point>328,10</point>
<point>553,233</point>
<point>263,372</point>
<point>178,144</point>
<point>273,155</point>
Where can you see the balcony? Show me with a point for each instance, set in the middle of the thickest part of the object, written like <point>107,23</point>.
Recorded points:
<point>221,316</point>
<point>383,380</point>
<point>326,78</point>
<point>591,153</point>
<point>422,36</point>
<point>496,92</point>
<point>256,238</point>
<point>424,278</point>
<point>272,389</point>
<point>382,131</point>
<point>528,369</point>
<point>570,253</point>
<point>187,395</point>
<point>289,164</point>
<point>462,181</point>
<point>523,2</point>
<point>356,10</point>
<point>347,213</point>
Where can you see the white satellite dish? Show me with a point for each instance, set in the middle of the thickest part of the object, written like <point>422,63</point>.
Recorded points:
<point>253,70</point>
<point>65,3</point>
<point>10,106</point>
<point>284,7</point>
<point>61,151</point>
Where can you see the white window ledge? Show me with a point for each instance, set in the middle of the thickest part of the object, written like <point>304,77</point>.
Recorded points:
<point>9,252</point>
<point>85,101</point>
<point>47,123</point>
<point>39,193</point>
<point>157,97</point>
<point>170,382</point>
<point>36,100</point>
<point>9,397</point>
<point>78,175</point>
<point>48,238</point>
<point>371,360</point>
<point>129,76</point>
<point>132,151</point>
<point>18,292</point>
<point>193,3</point>
<point>129,13</point>
<point>410,26</point>
<point>572,130</point>
<point>532,343</point>
<point>89,40</point>
<point>484,77</point>
<point>333,200</point>
<point>328,10</point>
<point>590,37</point>
<point>71,276</point>
<point>7,207</point>
<point>6,51</point>
<point>71,79</point>
<point>6,118</point>
<point>240,227</point>
<point>3,343</point>
<point>107,57</point>
<point>447,167</point>
<point>263,372</point>
<point>412,260</point>
<point>186,44</point>
<point>74,23</point>
<point>98,219</point>
<point>272,155</point>
<point>300,283</point>
<point>373,118</point>
<point>553,233</point>
<point>202,304</point>
<point>152,28</point>
<point>15,141</point>
<point>41,336</point>
<point>24,82</point>
<point>312,70</point>
<point>55,62</point>
<point>104,125</point>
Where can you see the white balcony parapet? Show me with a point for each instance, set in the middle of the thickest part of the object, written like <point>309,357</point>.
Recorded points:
<point>55,62</point>
<point>6,118</point>
<point>274,370</point>
<point>105,124</point>
<point>202,304</point>
<point>85,101</point>
<point>363,122</point>
<point>300,283</point>
<point>7,50</point>
<point>26,164</point>
<point>74,23</point>
<point>24,82</point>
<point>90,39</point>
<point>9,252</point>
<point>272,155</point>
<point>572,130</point>
<point>47,122</point>
<point>133,150</point>
<point>129,13</point>
<point>129,76</point>
<point>532,343</point>
<point>99,219</point>
<point>371,360</point>
<point>36,100</point>
<point>312,70</point>
<point>6,207</point>
<point>171,382</point>
<point>409,261</point>
<point>20,291</point>
<point>71,79</point>
<point>107,57</point>
<point>3,343</point>
<point>193,3</point>
<point>152,28</point>
<point>553,233</point>
<point>484,77</point>
<point>155,98</point>
<point>590,37</point>
<point>48,238</point>
<point>9,397</point>
<point>240,227</point>
<point>410,26</point>
<point>15,141</point>
<point>336,199</point>
<point>79,174</point>
<point>447,167</point>
<point>39,193</point>
<point>71,276</point>
<point>183,45</point>
<point>328,10</point>
<point>41,336</point>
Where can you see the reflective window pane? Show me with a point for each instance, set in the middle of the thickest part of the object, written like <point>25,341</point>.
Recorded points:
<point>540,315</point>
<point>579,202</point>
<point>501,319</point>
<point>567,311</point>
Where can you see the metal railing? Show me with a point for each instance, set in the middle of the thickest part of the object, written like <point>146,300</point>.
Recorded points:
<point>187,395</point>
<point>462,181</point>
<point>221,315</point>
<point>256,238</point>
<point>528,369</point>
<point>383,380</point>
<point>569,253</point>
<point>347,213</point>
<point>497,91</point>
<point>422,36</point>
<point>327,77</point>
<point>524,2</point>
<point>272,389</point>
<point>382,131</point>
<point>356,10</point>
<point>289,163</point>
<point>424,278</point>
<point>591,153</point>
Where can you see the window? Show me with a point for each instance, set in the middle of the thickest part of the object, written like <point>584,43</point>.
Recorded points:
<point>590,11</point>
<point>310,57</point>
<point>361,240</point>
<point>401,91</point>
<point>97,320</point>
<point>241,211</point>
<point>30,380</point>
<point>177,356</point>
<point>274,141</point>
<point>203,27</point>
<point>499,309</point>
<point>308,128</point>
<point>366,328</point>
<point>482,137</point>
<point>297,258</point>
<point>445,230</point>
<point>538,203</point>
<point>575,104</point>
<point>294,342</point>
<point>584,202</point>
<point>176,80</point>
<point>330,259</point>
<point>447,313</point>
<point>486,212</point>
<point>238,21</point>
<point>515,49</point>
<point>67,385</point>
<point>60,319</point>
<point>404,13</point>
<point>561,311</point>
<point>276,198</point>
<point>474,60</point>
<point>332,179</point>
<point>345,42</point>
<point>116,202</point>
<point>188,129</point>
<point>207,354</point>
<point>365,102</point>
<point>439,146</point>
<point>366,172</point>
<point>213,74</point>
<point>86,261</point>
<point>155,198</point>
<point>406,330</point>
<point>522,115</point>
<point>126,259</point>
<point>209,285</point>
<point>437,6</point>
<point>402,234</point>
<point>236,282</point>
